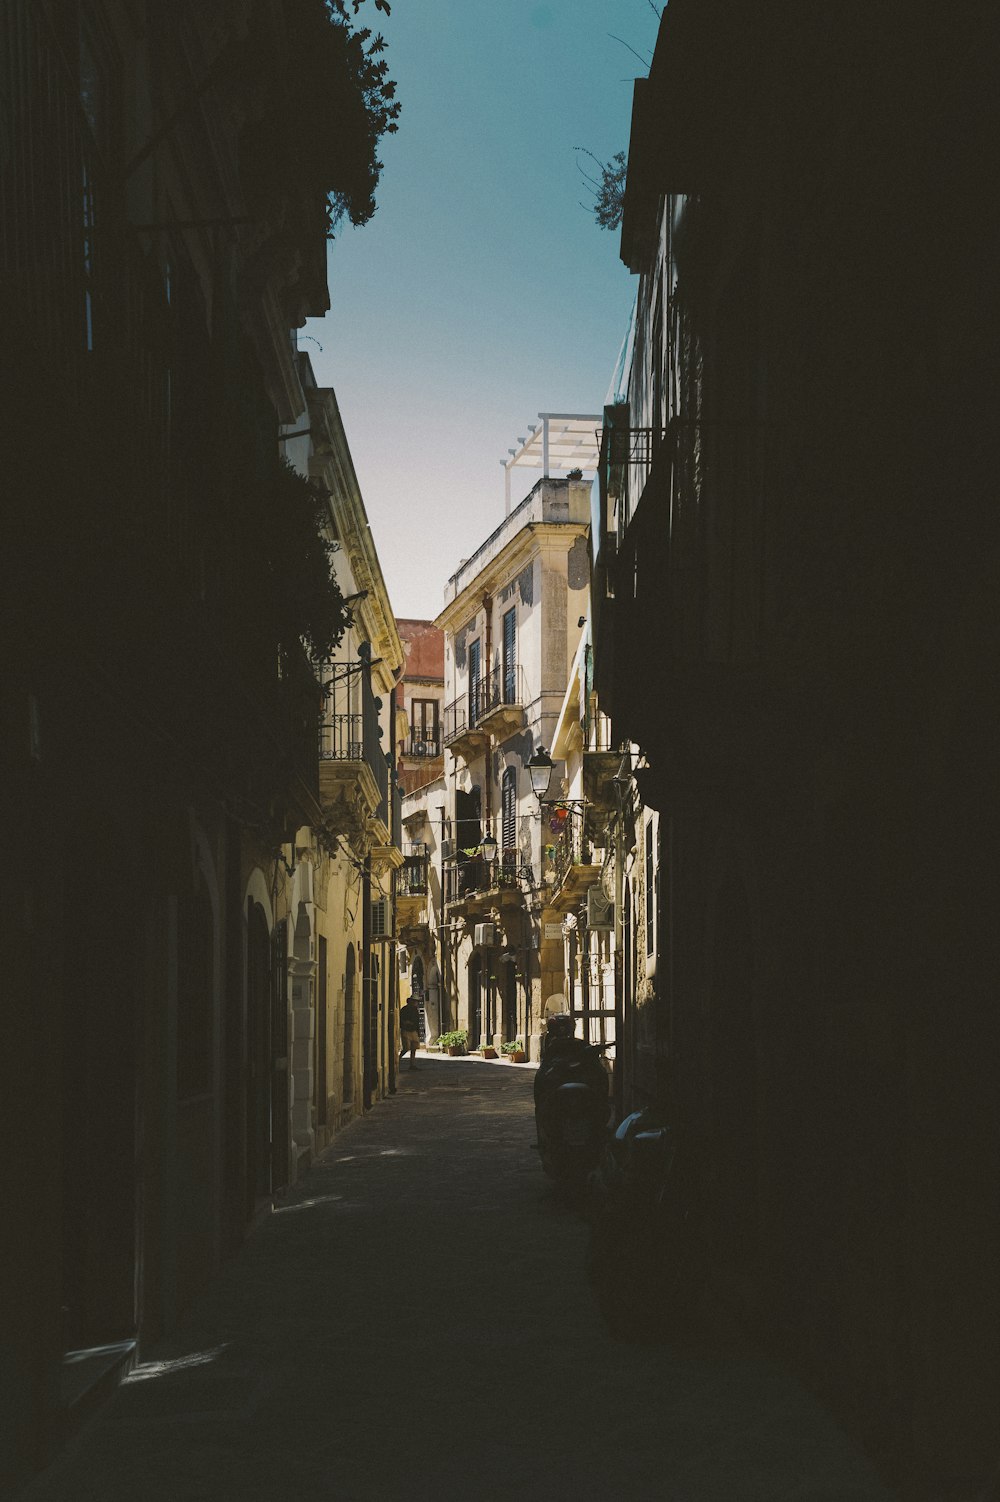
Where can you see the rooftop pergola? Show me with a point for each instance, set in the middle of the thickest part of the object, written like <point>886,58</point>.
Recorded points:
<point>558,441</point>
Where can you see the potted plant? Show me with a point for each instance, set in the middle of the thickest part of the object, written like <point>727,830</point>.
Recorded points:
<point>514,1052</point>
<point>487,1050</point>
<point>454,1042</point>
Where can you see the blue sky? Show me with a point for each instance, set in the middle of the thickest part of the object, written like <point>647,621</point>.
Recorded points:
<point>480,293</point>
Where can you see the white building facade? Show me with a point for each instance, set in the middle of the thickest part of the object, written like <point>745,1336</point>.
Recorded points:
<point>513,618</point>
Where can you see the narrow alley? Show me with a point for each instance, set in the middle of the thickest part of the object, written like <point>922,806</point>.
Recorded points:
<point>414,1321</point>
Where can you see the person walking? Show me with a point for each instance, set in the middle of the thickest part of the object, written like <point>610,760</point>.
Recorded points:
<point>409,1031</point>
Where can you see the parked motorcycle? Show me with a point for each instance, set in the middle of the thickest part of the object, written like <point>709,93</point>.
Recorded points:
<point>571,1104</point>
<point>645,1258</point>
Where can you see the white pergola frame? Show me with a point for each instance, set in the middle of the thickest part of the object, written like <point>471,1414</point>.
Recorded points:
<point>558,441</point>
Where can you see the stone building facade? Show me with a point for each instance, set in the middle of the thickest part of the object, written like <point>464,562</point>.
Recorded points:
<point>794,520</point>
<point>512,621</point>
<point>160,713</point>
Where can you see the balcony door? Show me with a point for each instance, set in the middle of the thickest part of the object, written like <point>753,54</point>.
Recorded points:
<point>509,663</point>
<point>475,681</point>
<point>424,735</point>
<point>508,818</point>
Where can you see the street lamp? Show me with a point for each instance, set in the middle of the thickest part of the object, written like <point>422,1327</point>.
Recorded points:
<point>488,849</point>
<point>540,771</point>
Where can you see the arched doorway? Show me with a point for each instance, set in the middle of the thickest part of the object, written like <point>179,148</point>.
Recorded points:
<point>349,1025</point>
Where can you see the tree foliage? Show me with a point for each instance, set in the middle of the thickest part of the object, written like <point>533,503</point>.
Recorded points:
<point>305,599</point>
<point>352,104</point>
<point>608,188</point>
<point>318,101</point>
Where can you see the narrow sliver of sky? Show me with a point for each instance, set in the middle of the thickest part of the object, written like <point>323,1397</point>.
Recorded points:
<point>481,293</point>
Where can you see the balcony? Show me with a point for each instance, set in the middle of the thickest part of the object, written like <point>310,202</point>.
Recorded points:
<point>412,888</point>
<point>463,734</point>
<point>627,456</point>
<point>601,764</point>
<point>501,701</point>
<point>476,885</point>
<point>570,864</point>
<point>353,771</point>
<point>423,745</point>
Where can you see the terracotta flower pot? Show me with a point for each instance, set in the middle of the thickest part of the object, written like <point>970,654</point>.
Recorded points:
<point>518,1056</point>
<point>489,1053</point>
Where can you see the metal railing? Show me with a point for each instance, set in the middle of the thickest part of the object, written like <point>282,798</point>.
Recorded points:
<point>421,744</point>
<point>565,843</point>
<point>504,684</point>
<point>627,456</point>
<point>455,718</point>
<point>508,872</point>
<point>598,733</point>
<point>341,737</point>
<point>411,879</point>
<point>459,878</point>
<point>349,729</point>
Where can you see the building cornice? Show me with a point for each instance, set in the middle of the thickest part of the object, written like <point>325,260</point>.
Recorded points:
<point>332,464</point>
<point>494,576</point>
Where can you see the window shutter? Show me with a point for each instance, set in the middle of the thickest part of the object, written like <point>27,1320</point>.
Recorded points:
<point>508,810</point>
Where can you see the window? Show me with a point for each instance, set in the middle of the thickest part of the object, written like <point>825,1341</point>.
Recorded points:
<point>475,675</point>
<point>508,811</point>
<point>424,727</point>
<point>510,657</point>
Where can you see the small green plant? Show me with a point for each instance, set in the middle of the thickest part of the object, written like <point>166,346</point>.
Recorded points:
<point>516,1047</point>
<point>457,1038</point>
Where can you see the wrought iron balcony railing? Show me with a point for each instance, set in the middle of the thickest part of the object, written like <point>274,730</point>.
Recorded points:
<point>597,733</point>
<point>627,456</point>
<point>504,684</point>
<point>349,729</point>
<point>457,719</point>
<point>507,873</point>
<point>411,879</point>
<point>565,843</point>
<point>422,743</point>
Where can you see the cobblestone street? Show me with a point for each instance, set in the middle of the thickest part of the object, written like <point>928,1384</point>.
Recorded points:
<point>414,1321</point>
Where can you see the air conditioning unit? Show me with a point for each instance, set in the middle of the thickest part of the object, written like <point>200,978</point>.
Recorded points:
<point>600,911</point>
<point>381,918</point>
<point>420,749</point>
<point>446,850</point>
<point>485,933</point>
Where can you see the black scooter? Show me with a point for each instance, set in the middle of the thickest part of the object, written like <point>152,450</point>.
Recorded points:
<point>646,1260</point>
<point>571,1104</point>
